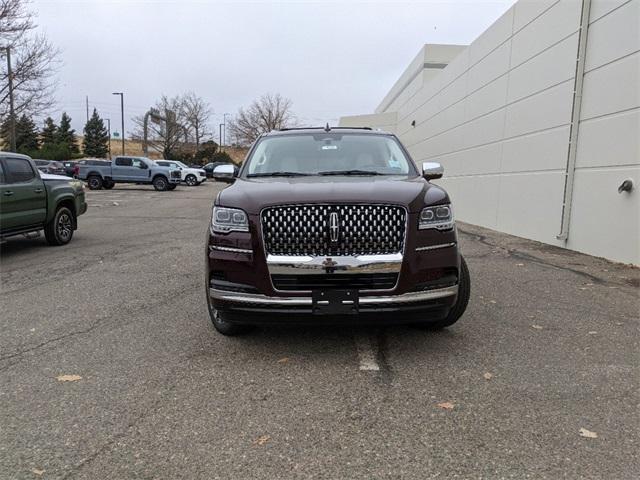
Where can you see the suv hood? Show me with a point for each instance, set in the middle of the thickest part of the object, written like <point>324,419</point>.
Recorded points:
<point>252,195</point>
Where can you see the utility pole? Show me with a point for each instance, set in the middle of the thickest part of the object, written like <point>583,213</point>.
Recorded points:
<point>220,127</point>
<point>224,121</point>
<point>109,128</point>
<point>87,102</point>
<point>12,114</point>
<point>121,115</point>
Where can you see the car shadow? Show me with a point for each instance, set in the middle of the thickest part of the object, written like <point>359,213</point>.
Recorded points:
<point>19,244</point>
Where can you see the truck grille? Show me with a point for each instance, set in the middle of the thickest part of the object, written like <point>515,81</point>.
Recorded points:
<point>175,174</point>
<point>361,281</point>
<point>325,230</point>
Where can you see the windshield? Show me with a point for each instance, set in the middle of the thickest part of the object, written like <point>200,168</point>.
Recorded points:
<point>328,154</point>
<point>180,164</point>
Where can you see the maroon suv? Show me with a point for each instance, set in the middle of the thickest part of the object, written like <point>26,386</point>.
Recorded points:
<point>331,225</point>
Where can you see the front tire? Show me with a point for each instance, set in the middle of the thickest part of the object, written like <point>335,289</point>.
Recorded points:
<point>160,183</point>
<point>108,184</point>
<point>464,292</point>
<point>94,182</point>
<point>191,180</point>
<point>172,186</point>
<point>220,323</point>
<point>59,230</point>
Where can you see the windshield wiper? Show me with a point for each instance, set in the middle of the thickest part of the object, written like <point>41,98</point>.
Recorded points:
<point>278,174</point>
<point>350,172</point>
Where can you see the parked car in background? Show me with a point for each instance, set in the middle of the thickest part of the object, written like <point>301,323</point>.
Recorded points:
<point>190,176</point>
<point>326,225</point>
<point>210,167</point>
<point>31,201</point>
<point>125,169</point>
<point>70,168</point>
<point>50,166</point>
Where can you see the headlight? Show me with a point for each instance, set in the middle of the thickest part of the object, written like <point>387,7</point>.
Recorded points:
<point>439,217</point>
<point>226,220</point>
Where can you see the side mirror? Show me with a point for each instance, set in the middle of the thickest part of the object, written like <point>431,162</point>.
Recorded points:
<point>225,173</point>
<point>432,170</point>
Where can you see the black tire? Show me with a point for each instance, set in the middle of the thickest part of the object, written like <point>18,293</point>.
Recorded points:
<point>160,183</point>
<point>172,186</point>
<point>191,180</point>
<point>59,231</point>
<point>95,182</point>
<point>464,292</point>
<point>108,184</point>
<point>219,322</point>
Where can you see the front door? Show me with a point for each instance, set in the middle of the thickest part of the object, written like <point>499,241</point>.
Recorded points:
<point>23,198</point>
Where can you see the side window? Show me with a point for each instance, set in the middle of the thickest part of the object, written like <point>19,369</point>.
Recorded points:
<point>1,174</point>
<point>124,162</point>
<point>163,164</point>
<point>137,163</point>
<point>19,170</point>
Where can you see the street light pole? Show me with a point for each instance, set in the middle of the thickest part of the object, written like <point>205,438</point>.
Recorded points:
<point>121,115</point>
<point>109,128</point>
<point>12,115</point>
<point>224,121</point>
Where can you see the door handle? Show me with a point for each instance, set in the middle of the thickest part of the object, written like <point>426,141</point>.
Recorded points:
<point>8,193</point>
<point>38,190</point>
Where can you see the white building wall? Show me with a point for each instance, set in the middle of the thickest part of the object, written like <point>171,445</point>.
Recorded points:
<point>498,118</point>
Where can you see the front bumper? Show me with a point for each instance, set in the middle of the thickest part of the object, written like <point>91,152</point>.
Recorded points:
<point>369,301</point>
<point>259,309</point>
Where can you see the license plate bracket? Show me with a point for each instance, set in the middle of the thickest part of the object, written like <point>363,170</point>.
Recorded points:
<point>335,302</point>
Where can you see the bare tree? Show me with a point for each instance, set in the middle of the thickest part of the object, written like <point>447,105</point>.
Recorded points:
<point>168,129</point>
<point>34,61</point>
<point>270,112</point>
<point>196,112</point>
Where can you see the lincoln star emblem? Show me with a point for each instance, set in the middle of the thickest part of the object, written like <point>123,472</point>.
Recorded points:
<point>334,227</point>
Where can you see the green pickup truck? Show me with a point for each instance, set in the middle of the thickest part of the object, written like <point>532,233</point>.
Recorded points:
<point>31,201</point>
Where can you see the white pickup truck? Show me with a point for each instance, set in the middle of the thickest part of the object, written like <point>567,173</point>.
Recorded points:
<point>127,169</point>
<point>190,176</point>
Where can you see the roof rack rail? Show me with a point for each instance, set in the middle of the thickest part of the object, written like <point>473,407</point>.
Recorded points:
<point>323,128</point>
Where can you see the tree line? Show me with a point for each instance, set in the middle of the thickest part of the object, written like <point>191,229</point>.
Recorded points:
<point>57,141</point>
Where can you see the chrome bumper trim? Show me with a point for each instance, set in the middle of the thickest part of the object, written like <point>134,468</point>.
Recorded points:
<point>258,298</point>
<point>307,265</point>
<point>435,247</point>
<point>229,249</point>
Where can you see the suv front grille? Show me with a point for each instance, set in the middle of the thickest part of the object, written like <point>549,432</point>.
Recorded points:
<point>360,281</point>
<point>334,230</point>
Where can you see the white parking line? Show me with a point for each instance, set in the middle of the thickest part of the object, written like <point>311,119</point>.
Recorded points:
<point>367,352</point>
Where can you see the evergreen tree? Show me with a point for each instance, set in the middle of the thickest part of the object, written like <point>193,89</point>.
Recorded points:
<point>49,133</point>
<point>66,136</point>
<point>96,137</point>
<point>26,135</point>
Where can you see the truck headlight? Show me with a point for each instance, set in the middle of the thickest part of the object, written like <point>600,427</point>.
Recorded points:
<point>224,220</point>
<point>438,216</point>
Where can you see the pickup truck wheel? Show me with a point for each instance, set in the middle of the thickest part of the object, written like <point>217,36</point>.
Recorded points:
<point>172,186</point>
<point>59,230</point>
<point>464,291</point>
<point>108,184</point>
<point>94,182</point>
<point>160,183</point>
<point>191,180</point>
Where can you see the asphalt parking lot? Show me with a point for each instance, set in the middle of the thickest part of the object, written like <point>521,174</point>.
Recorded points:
<point>538,380</point>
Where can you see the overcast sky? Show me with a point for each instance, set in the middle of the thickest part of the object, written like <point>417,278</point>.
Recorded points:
<point>330,58</point>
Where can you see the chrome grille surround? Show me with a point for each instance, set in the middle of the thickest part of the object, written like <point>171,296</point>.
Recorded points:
<point>305,230</point>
